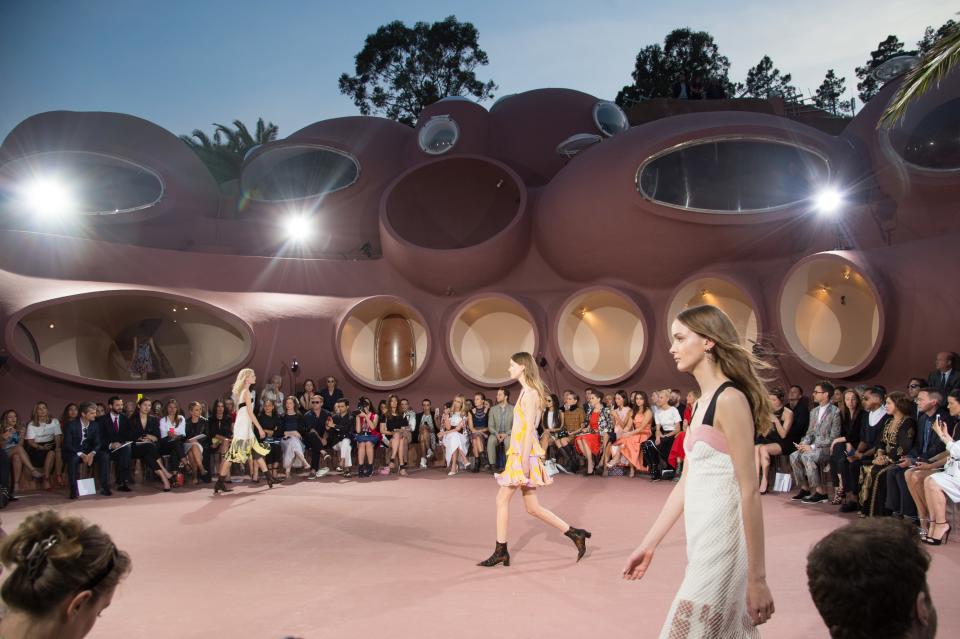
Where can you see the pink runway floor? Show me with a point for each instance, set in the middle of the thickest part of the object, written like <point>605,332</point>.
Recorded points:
<point>394,557</point>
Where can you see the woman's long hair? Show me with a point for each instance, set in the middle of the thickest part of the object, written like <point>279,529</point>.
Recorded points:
<point>34,414</point>
<point>240,383</point>
<point>735,361</point>
<point>531,375</point>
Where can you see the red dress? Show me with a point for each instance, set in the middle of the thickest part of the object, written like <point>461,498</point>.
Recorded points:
<point>593,437</point>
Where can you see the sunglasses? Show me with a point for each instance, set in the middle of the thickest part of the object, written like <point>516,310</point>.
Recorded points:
<point>914,386</point>
<point>314,402</point>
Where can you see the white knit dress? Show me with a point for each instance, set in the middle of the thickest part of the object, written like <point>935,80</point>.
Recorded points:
<point>712,600</point>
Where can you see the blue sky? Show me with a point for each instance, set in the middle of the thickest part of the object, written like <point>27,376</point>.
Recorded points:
<point>185,64</point>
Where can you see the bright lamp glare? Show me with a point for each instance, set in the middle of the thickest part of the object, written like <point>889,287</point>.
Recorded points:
<point>828,201</point>
<point>47,197</point>
<point>298,228</point>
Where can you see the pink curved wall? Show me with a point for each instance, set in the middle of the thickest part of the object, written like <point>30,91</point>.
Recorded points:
<point>583,223</point>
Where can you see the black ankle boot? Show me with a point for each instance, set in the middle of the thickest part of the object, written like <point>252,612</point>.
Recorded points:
<point>476,464</point>
<point>579,538</point>
<point>499,556</point>
<point>221,487</point>
<point>269,477</point>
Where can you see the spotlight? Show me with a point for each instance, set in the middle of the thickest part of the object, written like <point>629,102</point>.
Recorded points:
<point>828,201</point>
<point>47,197</point>
<point>298,228</point>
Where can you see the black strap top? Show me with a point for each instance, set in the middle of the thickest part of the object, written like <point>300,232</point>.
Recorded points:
<point>708,415</point>
<point>242,404</point>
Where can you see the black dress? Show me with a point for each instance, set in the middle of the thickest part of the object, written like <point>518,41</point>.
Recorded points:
<point>895,441</point>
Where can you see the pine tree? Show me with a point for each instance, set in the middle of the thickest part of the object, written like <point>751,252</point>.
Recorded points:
<point>868,86</point>
<point>829,93</point>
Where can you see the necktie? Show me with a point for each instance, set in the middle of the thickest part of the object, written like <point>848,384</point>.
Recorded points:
<point>83,435</point>
<point>116,425</point>
<point>945,376</point>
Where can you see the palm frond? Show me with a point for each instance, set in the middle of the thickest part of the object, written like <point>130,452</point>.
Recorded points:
<point>942,58</point>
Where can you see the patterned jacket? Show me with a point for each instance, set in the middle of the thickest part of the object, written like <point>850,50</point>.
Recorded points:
<point>822,432</point>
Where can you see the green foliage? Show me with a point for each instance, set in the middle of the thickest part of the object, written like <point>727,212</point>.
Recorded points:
<point>224,153</point>
<point>765,81</point>
<point>829,93</point>
<point>684,52</point>
<point>401,70</point>
<point>942,57</point>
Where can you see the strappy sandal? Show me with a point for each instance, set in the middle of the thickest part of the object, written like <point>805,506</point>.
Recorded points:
<point>838,497</point>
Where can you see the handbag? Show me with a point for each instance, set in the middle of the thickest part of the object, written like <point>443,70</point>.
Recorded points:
<point>783,483</point>
<point>551,466</point>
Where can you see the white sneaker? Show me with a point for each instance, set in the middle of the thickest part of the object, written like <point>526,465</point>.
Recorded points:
<point>563,470</point>
<point>322,472</point>
<point>423,462</point>
<point>451,474</point>
<point>429,453</point>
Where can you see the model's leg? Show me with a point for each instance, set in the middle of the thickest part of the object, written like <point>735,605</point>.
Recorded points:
<point>504,495</point>
<point>532,504</point>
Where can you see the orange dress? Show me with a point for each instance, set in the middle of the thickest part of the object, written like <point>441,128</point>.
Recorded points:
<point>630,444</point>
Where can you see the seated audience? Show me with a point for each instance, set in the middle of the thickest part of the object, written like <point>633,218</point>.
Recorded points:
<point>366,427</point>
<point>870,429</point>
<point>938,487</point>
<point>622,417</point>
<point>894,443</point>
<point>500,428</point>
<point>330,393</point>
<point>551,423</point>
<point>196,441</point>
<point>292,426</point>
<point>869,579</point>
<point>588,439</point>
<point>270,422</point>
<point>43,440</point>
<point>478,430</point>
<point>573,419</point>
<point>62,576</point>
<point>425,431</point>
<point>219,433</point>
<point>341,435</point>
<point>631,443</point>
<point>926,446</point>
<point>656,452</point>
<point>394,435</point>
<point>115,438</point>
<point>814,447</point>
<point>173,432</point>
<point>14,438</point>
<point>309,392</point>
<point>145,432</point>
<point>852,417</point>
<point>779,440</point>
<point>81,443</point>
<point>800,405</point>
<point>317,423</point>
<point>945,378</point>
<point>454,430</point>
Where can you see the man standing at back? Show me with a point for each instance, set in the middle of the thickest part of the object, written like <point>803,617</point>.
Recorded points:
<point>500,425</point>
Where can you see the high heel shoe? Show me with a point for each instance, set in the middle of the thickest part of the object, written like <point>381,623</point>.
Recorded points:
<point>221,487</point>
<point>932,541</point>
<point>579,538</point>
<point>499,556</point>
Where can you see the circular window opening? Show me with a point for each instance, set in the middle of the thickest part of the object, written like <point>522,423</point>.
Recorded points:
<point>297,172</point>
<point>723,294</point>
<point>830,315</point>
<point>383,342</point>
<point>601,336</point>
<point>610,118</point>
<point>141,339</point>
<point>81,182</point>
<point>934,142</point>
<point>438,135</point>
<point>733,175</point>
<point>484,334</point>
<point>453,203</point>
<point>577,143</point>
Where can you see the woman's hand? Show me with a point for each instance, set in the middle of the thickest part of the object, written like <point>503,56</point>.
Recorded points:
<point>638,562</point>
<point>759,601</point>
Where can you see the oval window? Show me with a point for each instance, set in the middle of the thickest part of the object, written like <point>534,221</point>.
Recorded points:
<point>438,135</point>
<point>934,143</point>
<point>610,118</point>
<point>732,175</point>
<point>297,172</point>
<point>82,182</point>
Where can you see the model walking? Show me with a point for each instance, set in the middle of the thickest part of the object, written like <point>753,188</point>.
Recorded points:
<point>244,443</point>
<point>524,468</point>
<point>724,591</point>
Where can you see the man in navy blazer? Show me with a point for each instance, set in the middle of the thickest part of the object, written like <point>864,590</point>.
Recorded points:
<point>115,431</point>
<point>81,445</point>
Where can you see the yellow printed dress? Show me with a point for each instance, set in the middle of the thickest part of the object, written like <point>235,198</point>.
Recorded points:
<point>244,443</point>
<point>524,466</point>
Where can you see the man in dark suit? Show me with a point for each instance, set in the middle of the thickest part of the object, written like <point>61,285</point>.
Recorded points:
<point>926,447</point>
<point>81,445</point>
<point>115,431</point>
<point>946,377</point>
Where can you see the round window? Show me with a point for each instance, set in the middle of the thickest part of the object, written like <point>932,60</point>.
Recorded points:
<point>610,118</point>
<point>439,135</point>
